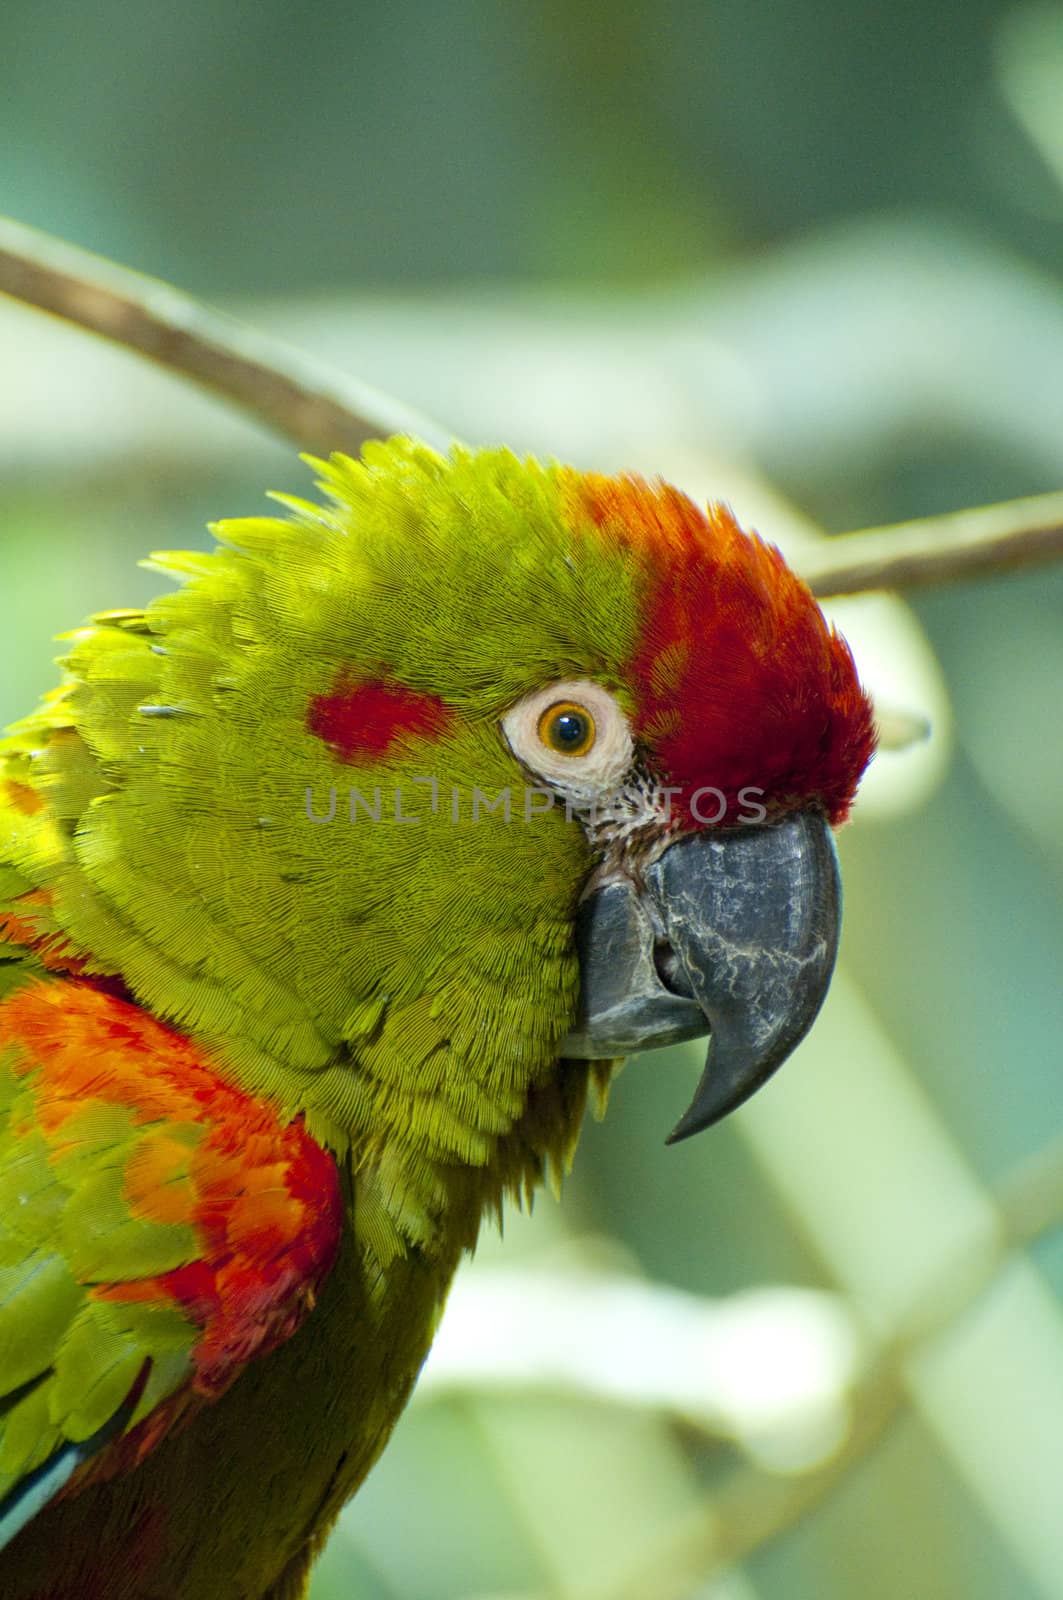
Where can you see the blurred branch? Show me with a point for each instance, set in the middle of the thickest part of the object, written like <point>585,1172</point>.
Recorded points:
<point>320,409</point>
<point>513,1331</point>
<point>898,728</point>
<point>964,544</point>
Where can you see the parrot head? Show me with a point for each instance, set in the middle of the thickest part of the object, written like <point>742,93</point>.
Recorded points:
<point>478,767</point>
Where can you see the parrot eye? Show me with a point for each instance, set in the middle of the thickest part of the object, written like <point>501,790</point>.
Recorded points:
<point>567,728</point>
<point>573,735</point>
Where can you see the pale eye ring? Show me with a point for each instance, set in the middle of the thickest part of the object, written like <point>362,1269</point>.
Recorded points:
<point>573,734</point>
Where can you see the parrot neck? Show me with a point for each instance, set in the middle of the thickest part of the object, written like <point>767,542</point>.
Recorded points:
<point>405,1200</point>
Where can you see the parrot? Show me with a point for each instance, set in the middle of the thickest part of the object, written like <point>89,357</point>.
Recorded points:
<point>335,884</point>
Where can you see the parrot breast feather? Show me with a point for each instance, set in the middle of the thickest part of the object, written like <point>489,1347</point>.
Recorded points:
<point>158,1230</point>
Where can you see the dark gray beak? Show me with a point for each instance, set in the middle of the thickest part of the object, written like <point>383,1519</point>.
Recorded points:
<point>732,934</point>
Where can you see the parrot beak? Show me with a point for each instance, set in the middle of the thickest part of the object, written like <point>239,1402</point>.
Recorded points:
<point>732,934</point>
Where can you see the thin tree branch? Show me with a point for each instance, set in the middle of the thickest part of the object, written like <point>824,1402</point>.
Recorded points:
<point>319,409</point>
<point>322,410</point>
<point>964,544</point>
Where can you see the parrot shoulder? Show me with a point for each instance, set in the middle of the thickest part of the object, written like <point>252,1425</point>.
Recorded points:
<point>159,1229</point>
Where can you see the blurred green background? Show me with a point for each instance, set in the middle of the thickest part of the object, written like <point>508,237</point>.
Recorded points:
<point>806,245</point>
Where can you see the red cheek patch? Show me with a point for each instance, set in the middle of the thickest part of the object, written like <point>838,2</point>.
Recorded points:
<point>363,721</point>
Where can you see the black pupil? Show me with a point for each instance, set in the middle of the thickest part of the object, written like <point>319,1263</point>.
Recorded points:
<point>570,728</point>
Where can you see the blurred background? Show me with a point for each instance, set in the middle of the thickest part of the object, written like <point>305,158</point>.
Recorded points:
<point>805,257</point>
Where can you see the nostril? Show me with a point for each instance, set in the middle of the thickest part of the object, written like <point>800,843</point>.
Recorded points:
<point>670,969</point>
